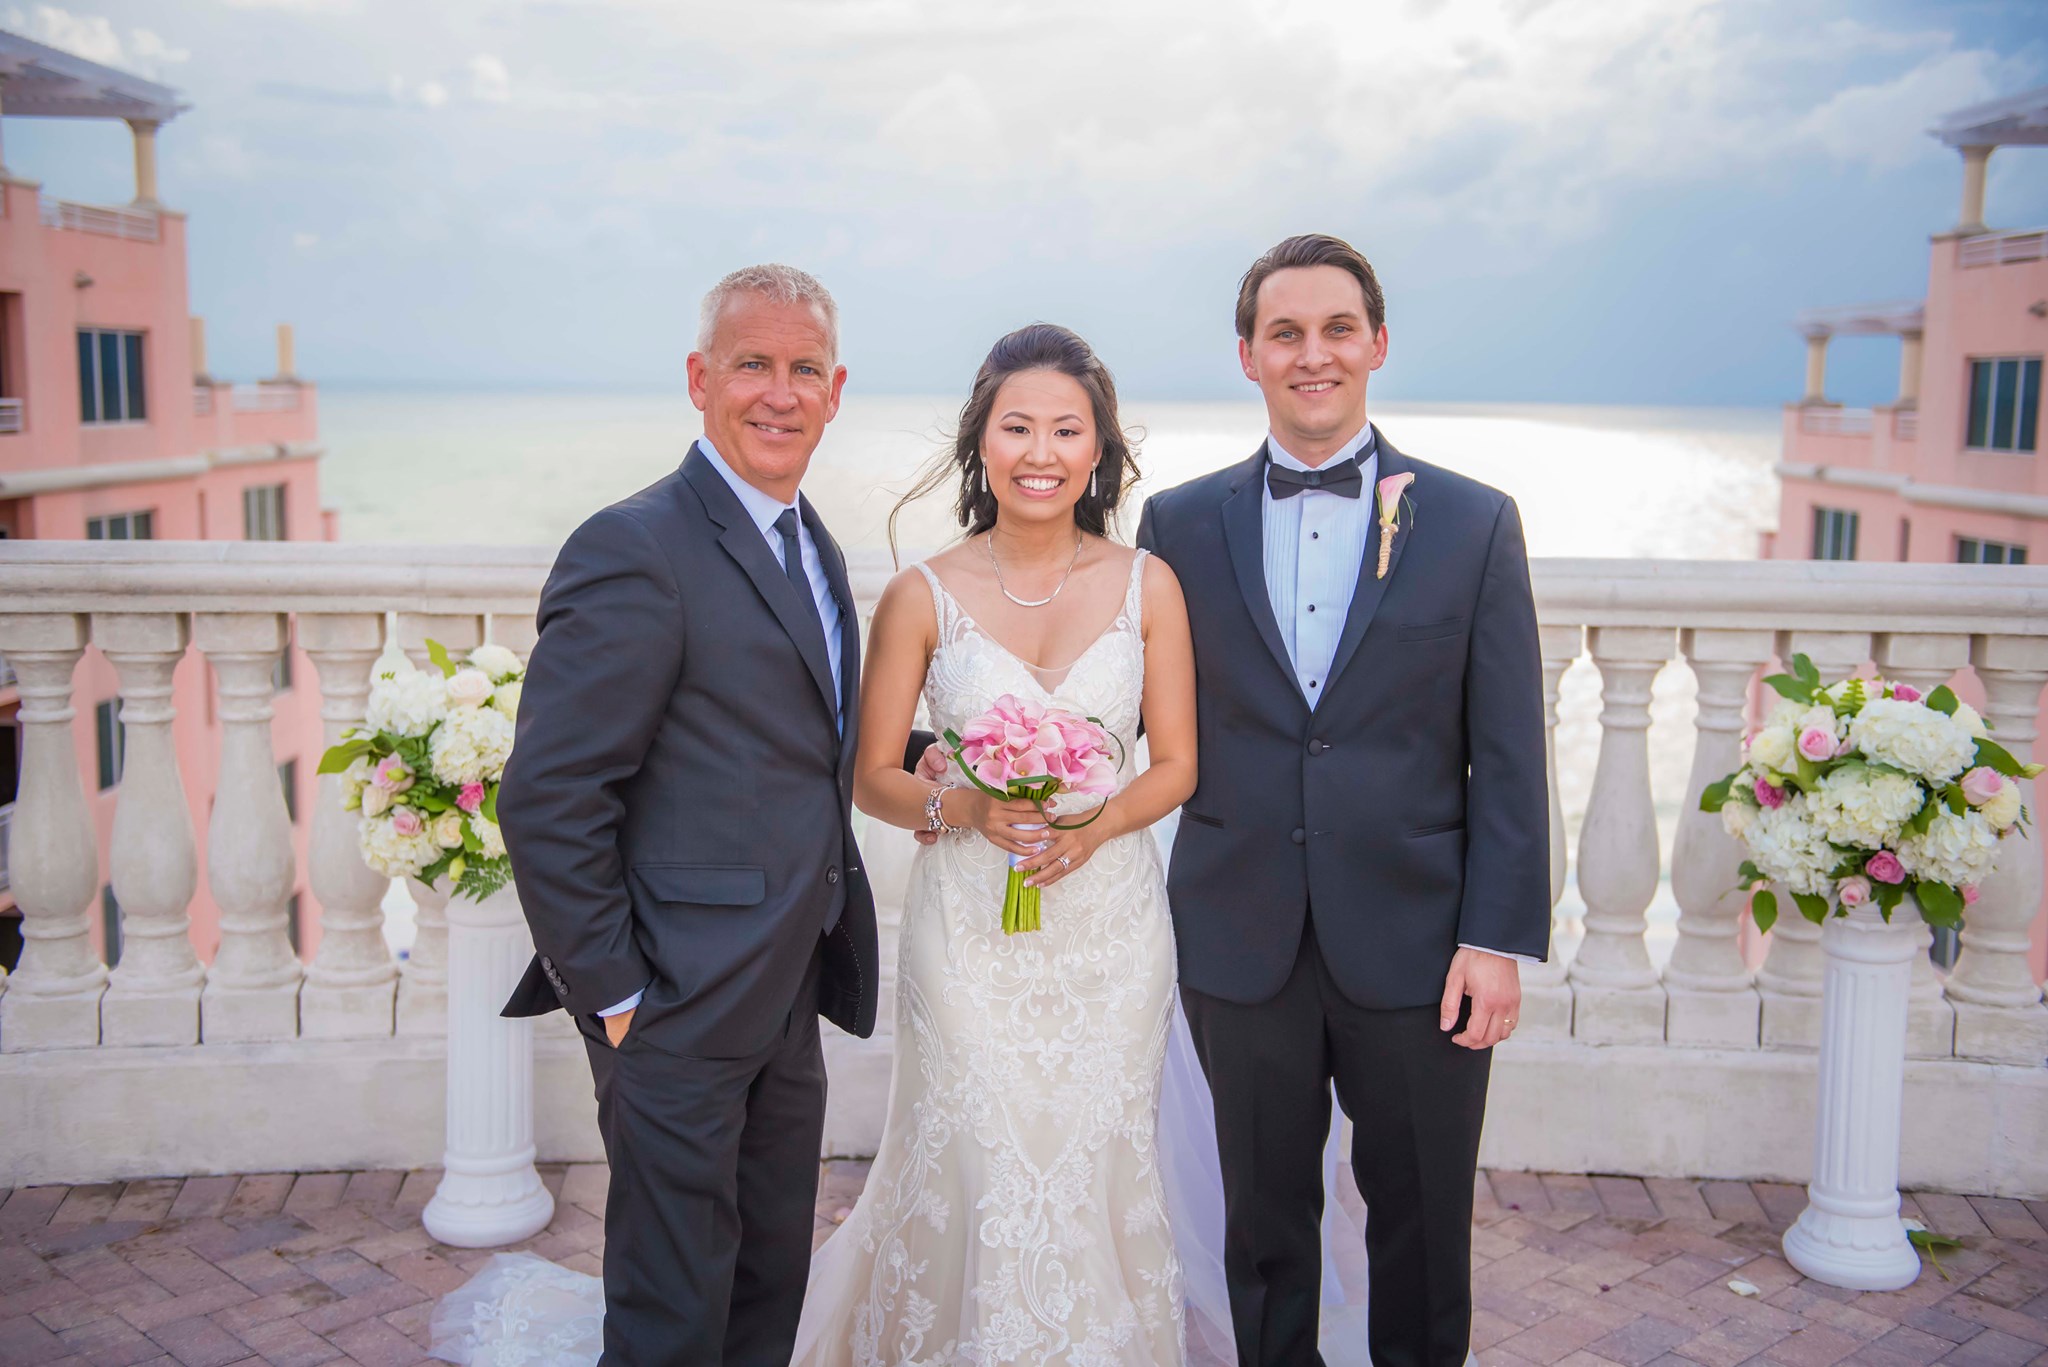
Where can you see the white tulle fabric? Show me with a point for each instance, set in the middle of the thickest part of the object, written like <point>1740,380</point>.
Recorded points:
<point>1047,1188</point>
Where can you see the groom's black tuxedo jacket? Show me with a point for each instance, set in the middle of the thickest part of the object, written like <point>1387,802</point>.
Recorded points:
<point>677,805</point>
<point>1408,810</point>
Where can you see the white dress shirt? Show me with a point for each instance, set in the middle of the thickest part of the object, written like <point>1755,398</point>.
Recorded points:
<point>764,509</point>
<point>1315,544</point>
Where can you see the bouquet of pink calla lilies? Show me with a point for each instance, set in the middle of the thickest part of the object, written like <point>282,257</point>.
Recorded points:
<point>1021,750</point>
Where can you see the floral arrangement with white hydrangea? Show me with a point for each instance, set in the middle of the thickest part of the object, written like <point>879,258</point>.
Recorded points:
<point>1864,792</point>
<point>423,768</point>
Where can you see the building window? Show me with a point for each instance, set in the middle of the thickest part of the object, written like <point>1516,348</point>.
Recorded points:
<point>263,513</point>
<point>110,924</point>
<point>288,777</point>
<point>1834,534</point>
<point>110,381</point>
<point>1970,551</point>
<point>121,527</point>
<point>2005,403</point>
<point>113,741</point>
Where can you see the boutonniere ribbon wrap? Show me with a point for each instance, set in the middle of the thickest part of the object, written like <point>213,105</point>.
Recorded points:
<point>1391,490</point>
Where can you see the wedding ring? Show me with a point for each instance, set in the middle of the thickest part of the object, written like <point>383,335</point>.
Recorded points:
<point>1065,862</point>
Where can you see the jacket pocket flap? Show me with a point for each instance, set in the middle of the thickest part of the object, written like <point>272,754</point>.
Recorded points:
<point>719,885</point>
<point>1430,631</point>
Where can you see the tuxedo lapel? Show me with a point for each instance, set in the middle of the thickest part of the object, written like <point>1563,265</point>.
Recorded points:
<point>1244,534</point>
<point>1372,588</point>
<point>742,540</point>
<point>849,629</point>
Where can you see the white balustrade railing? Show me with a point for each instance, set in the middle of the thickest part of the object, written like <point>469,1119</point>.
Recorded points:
<point>1631,623</point>
<point>1906,424</point>
<point>1836,422</point>
<point>266,398</point>
<point>135,225</point>
<point>2000,249</point>
<point>10,416</point>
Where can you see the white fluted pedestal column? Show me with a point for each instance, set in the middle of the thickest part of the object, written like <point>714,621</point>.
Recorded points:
<point>489,1192</point>
<point>1850,1234</point>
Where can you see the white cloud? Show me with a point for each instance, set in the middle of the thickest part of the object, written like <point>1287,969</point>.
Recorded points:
<point>488,79</point>
<point>305,241</point>
<point>432,94</point>
<point>95,38</point>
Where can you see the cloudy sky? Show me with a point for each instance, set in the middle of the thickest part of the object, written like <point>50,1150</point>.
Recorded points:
<point>1611,201</point>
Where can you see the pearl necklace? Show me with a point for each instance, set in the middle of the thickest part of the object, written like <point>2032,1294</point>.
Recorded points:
<point>1031,602</point>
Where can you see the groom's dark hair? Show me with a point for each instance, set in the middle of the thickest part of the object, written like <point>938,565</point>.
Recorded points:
<point>1309,249</point>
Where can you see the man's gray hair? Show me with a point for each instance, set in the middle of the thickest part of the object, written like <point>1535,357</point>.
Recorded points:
<point>781,284</point>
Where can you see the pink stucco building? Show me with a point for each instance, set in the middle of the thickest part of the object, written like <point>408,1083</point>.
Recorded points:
<point>112,428</point>
<point>1950,471</point>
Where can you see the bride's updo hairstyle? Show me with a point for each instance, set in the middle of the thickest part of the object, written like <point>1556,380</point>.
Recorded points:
<point>1040,346</point>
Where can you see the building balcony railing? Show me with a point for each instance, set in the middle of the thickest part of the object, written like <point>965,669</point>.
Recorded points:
<point>1650,1045</point>
<point>10,416</point>
<point>2001,249</point>
<point>1906,424</point>
<point>1836,422</point>
<point>135,225</point>
<point>202,401</point>
<point>266,398</point>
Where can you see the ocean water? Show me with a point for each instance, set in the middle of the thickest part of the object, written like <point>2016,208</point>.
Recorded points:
<point>513,467</point>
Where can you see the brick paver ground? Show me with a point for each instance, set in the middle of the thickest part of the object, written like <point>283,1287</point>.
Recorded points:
<point>1570,1270</point>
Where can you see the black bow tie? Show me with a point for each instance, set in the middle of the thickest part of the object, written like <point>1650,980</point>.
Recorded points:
<point>1343,479</point>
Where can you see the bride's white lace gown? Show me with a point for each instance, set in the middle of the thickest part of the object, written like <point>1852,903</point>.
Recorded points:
<point>1015,1212</point>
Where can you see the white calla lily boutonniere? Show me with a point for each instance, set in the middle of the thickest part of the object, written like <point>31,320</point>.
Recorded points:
<point>1392,490</point>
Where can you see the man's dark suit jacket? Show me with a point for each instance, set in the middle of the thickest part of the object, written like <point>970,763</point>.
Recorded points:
<point>1408,811</point>
<point>678,802</point>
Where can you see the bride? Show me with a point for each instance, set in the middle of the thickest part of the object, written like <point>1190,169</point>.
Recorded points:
<point>1015,1211</point>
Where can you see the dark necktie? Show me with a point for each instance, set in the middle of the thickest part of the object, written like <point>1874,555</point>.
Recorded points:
<point>793,566</point>
<point>1342,479</point>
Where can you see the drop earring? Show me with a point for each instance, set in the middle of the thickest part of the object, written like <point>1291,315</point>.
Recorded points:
<point>981,475</point>
<point>1093,471</point>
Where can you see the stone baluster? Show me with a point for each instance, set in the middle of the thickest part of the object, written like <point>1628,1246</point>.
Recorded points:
<point>1999,1015</point>
<point>1926,662</point>
<point>423,986</point>
<point>253,991</point>
<point>1546,992</point>
<point>351,987</point>
<point>52,999</point>
<point>153,996</point>
<point>1713,995</point>
<point>1790,981</point>
<point>1617,997</point>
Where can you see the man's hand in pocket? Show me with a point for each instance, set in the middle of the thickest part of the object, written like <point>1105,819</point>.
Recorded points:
<point>615,1027</point>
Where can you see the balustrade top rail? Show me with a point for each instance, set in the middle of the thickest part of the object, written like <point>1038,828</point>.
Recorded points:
<point>1839,422</point>
<point>237,576</point>
<point>1999,249</point>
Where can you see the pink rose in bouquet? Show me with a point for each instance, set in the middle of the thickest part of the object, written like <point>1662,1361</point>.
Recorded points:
<point>1019,749</point>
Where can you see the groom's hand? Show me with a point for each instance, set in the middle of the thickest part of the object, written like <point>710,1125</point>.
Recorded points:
<point>1494,983</point>
<point>615,1027</point>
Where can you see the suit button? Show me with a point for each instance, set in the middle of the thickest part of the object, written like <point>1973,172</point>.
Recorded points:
<point>1299,836</point>
<point>832,874</point>
<point>1316,746</point>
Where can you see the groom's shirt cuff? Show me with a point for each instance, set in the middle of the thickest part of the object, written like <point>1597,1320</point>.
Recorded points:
<point>627,1005</point>
<point>1518,958</point>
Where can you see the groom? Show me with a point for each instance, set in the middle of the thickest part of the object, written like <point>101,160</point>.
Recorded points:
<point>677,812</point>
<point>1367,854</point>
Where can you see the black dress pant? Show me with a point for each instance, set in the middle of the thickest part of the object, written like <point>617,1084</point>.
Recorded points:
<point>1416,1101</point>
<point>713,1195</point>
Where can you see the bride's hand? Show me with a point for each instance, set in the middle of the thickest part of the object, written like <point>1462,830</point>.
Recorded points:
<point>1068,851</point>
<point>1007,825</point>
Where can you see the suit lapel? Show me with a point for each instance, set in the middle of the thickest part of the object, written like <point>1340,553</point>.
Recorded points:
<point>1244,535</point>
<point>849,629</point>
<point>743,541</point>
<point>1372,589</point>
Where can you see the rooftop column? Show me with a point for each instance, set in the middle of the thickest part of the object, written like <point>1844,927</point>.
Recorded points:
<point>199,372</point>
<point>1975,159</point>
<point>287,366</point>
<point>1816,367</point>
<point>145,161</point>
<point>5,174</point>
<point>1909,371</point>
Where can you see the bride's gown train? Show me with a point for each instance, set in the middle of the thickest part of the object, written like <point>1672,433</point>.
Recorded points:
<point>1033,1200</point>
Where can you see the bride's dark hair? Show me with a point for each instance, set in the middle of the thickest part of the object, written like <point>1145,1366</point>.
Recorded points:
<point>1040,346</point>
